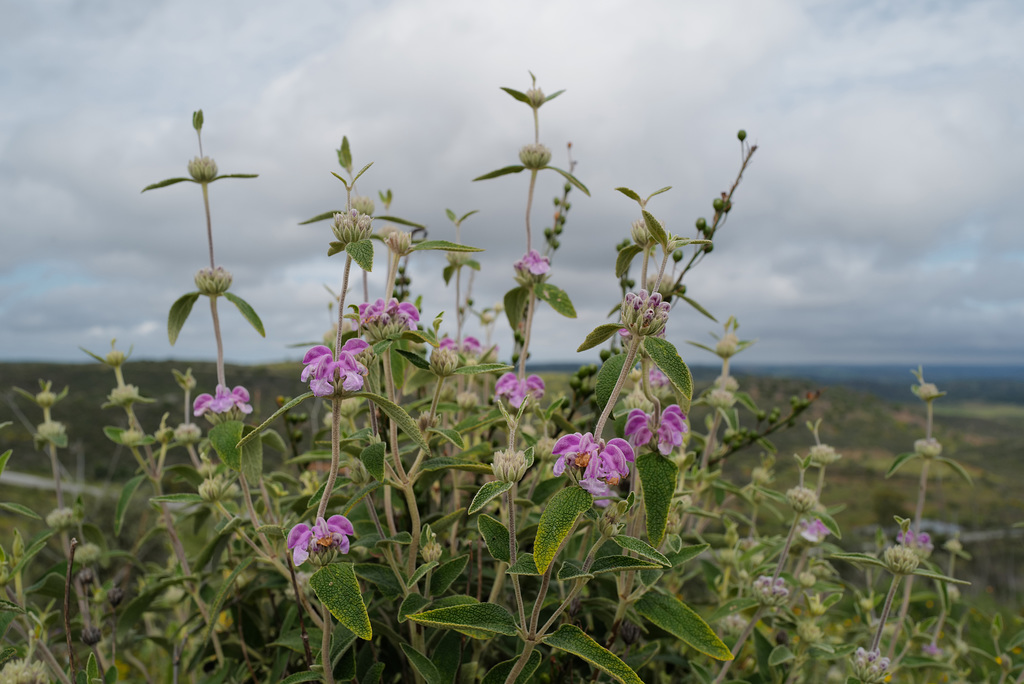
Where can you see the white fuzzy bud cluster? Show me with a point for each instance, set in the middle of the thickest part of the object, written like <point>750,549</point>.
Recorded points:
<point>61,519</point>
<point>358,473</point>
<point>809,632</point>
<point>132,437</point>
<point>25,672</point>
<point>638,400</point>
<point>45,399</point>
<point>124,396</point>
<point>926,391</point>
<point>431,550</point>
<point>727,382</point>
<point>444,361</point>
<point>188,433</point>
<point>509,465</point>
<point>544,448</point>
<point>733,624</point>
<point>761,476</point>
<point>217,488</point>
<point>953,545</point>
<point>770,592</point>
<point>536,97</point>
<point>467,401</point>
<point>51,431</point>
<point>802,499</point>
<point>363,204</point>
<point>807,579</point>
<point>928,448</point>
<point>822,455</point>
<point>721,398</point>
<point>351,226</point>
<point>399,242</point>
<point>641,236</point>
<point>534,156</point>
<point>727,346</point>
<point>644,314</point>
<point>213,281</point>
<point>88,553</point>
<point>202,169</point>
<point>901,560</point>
<point>870,667</point>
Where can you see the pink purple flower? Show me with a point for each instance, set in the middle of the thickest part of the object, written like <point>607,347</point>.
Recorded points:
<point>602,464</point>
<point>532,263</point>
<point>931,650</point>
<point>919,541</point>
<point>657,378</point>
<point>813,531</point>
<point>470,345</point>
<point>640,428</point>
<point>223,401</point>
<point>324,372</point>
<point>326,536</point>
<point>381,320</point>
<point>516,390</point>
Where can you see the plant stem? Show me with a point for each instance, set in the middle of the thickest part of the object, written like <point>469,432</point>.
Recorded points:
<point>529,204</point>
<point>220,344</point>
<point>325,647</point>
<point>885,612</point>
<point>634,346</point>
<point>335,456</point>
<point>209,223</point>
<point>739,644</point>
<point>524,351</point>
<point>521,662</point>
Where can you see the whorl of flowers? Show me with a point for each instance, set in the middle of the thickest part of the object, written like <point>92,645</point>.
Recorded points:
<point>515,390</point>
<point>770,592</point>
<point>327,375</point>
<point>351,226</point>
<point>322,542</point>
<point>381,320</point>
<point>224,405</point>
<point>601,464</point>
<point>640,429</point>
<point>531,268</point>
<point>869,666</point>
<point>644,314</point>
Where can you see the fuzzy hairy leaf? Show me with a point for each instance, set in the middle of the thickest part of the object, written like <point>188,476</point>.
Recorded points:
<point>679,620</point>
<point>599,335</point>
<point>179,314</point>
<point>571,178</point>
<point>556,297</point>
<point>643,548</point>
<point>515,305</point>
<point>655,228</point>
<point>495,535</point>
<point>488,617</point>
<point>165,183</point>
<point>658,478</point>
<point>499,673</point>
<point>665,356</point>
<point>631,194</point>
<point>487,492</point>
<point>572,639</point>
<point>606,379</point>
<point>625,258</point>
<point>124,499</point>
<point>500,172</point>
<point>361,253</point>
<point>337,587</point>
<point>444,245</point>
<point>557,520</point>
<point>397,414</point>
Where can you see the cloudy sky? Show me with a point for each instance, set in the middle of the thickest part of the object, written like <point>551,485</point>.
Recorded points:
<point>876,223</point>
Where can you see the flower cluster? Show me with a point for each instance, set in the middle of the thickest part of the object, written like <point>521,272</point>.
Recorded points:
<point>516,390</point>
<point>644,314</point>
<point>920,542</point>
<point>658,379</point>
<point>224,405</point>
<point>602,464</point>
<point>470,345</point>
<point>324,373</point>
<point>382,320</point>
<point>869,666</point>
<point>351,226</point>
<point>640,429</point>
<point>531,268</point>
<point>770,592</point>
<point>322,542</point>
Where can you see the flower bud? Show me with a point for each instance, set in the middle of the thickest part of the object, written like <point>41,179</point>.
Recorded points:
<point>536,97</point>
<point>88,553</point>
<point>213,281</point>
<point>733,624</point>
<point>363,204</point>
<point>91,636</point>
<point>351,226</point>
<point>61,519</point>
<point>927,391</point>
<point>953,545</point>
<point>487,317</point>
<point>809,632</point>
<point>132,437</point>
<point>769,592</point>
<point>188,433</point>
<point>901,560</point>
<point>45,399</point>
<point>202,169</point>
<point>760,476</point>
<point>123,396</point>
<point>643,314</point>
<point>928,448</point>
<point>115,596</point>
<point>399,242</point>
<point>727,346</point>
<point>870,667</point>
<point>467,401</point>
<point>721,398</point>
<point>814,605</point>
<point>727,382</point>
<point>214,489</point>
<point>509,465</point>
<point>534,156</point>
<point>802,499</point>
<point>431,551</point>
<point>51,431</point>
<point>444,361</point>
<point>641,236</point>
<point>542,450</point>
<point>638,400</point>
<point>822,455</point>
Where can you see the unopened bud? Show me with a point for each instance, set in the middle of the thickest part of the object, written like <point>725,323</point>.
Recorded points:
<point>45,399</point>
<point>91,636</point>
<point>927,391</point>
<point>115,596</point>
<point>351,226</point>
<point>534,156</point>
<point>808,631</point>
<point>953,545</point>
<point>88,553</point>
<point>536,97</point>
<point>399,242</point>
<point>721,398</point>
<point>202,169</point>
<point>213,281</point>
<point>727,346</point>
<point>770,592</point>
<point>928,448</point>
<point>363,204</point>
<point>641,236</point>
<point>467,401</point>
<point>188,433</point>
<point>802,499</point>
<point>901,560</point>
<point>509,465</point>
<point>132,437</point>
<point>822,455</point>
<point>61,519</point>
<point>444,361</point>
<point>51,431</point>
<point>214,489</point>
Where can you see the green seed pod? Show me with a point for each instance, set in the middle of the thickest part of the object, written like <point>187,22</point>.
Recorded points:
<point>742,135</point>
<point>702,224</point>
<point>606,354</point>
<point>717,204</point>
<point>677,255</point>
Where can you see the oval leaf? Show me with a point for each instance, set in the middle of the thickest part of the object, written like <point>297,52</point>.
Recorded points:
<point>655,228</point>
<point>572,639</point>
<point>495,535</point>
<point>246,311</point>
<point>665,356</point>
<point>488,617</point>
<point>557,298</point>
<point>607,377</point>
<point>625,258</point>
<point>123,499</point>
<point>444,245</point>
<point>679,620</point>
<point>658,479</point>
<point>397,414</point>
<point>557,520</point>
<point>179,314</point>
<point>337,587</point>
<point>500,172</point>
<point>373,458</point>
<point>599,335</point>
<point>486,493</point>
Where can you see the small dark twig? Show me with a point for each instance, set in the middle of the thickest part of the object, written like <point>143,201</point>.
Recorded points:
<point>302,623</point>
<point>67,607</point>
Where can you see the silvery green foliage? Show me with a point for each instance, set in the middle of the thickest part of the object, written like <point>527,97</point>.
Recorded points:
<point>454,519</point>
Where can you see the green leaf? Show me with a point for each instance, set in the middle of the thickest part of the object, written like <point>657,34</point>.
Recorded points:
<point>488,617</point>
<point>557,520</point>
<point>495,535</point>
<point>500,172</point>
<point>422,663</point>
<point>399,416</point>
<point>829,522</point>
<point>571,178</point>
<point>345,154</point>
<point>287,407</point>
<point>176,498</point>
<point>631,194</point>
<point>450,435</point>
<point>679,620</point>
<point>780,655</point>
<point>556,297</point>
<point>361,172</point>
<point>236,175</point>
<point>658,192</point>
<point>444,245</point>
<point>307,676</point>
<point>658,479</point>
<point>92,670</point>
<point>165,183</point>
<point>252,458</point>
<point>179,314</point>
<point>4,458</point>
<point>643,548</point>
<point>957,468</point>
<point>655,228</point>
<point>858,558</point>
<point>446,462</point>
<point>899,462</point>
<point>224,437</point>
<point>486,493</point>
<point>337,587</point>
<point>421,571</point>
<point>688,553</point>
<point>939,577</point>
<point>572,639</point>
<point>11,607</point>
<point>19,508</point>
<point>361,253</point>
<point>607,377</point>
<point>222,595</point>
<point>518,95</point>
<point>571,570</point>
<point>483,368</point>
<point>500,672</point>
<point>123,500</point>
<point>10,652</point>
<point>515,304</point>
<point>414,359</point>
<point>524,565</point>
<point>618,563</point>
<point>373,458</point>
<point>410,604</point>
<point>321,217</point>
<point>247,312</point>
<point>447,573</point>
<point>665,356</point>
<point>698,307</point>
<point>400,221</point>
<point>553,95</point>
<point>737,605</point>
<point>599,335</point>
<point>625,258</point>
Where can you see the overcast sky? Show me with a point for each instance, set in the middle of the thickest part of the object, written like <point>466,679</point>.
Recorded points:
<point>877,222</point>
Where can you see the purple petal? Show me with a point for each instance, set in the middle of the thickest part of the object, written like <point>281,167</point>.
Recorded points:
<point>315,353</point>
<point>299,536</point>
<point>568,444</point>
<point>201,404</point>
<point>354,346</point>
<point>340,524</point>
